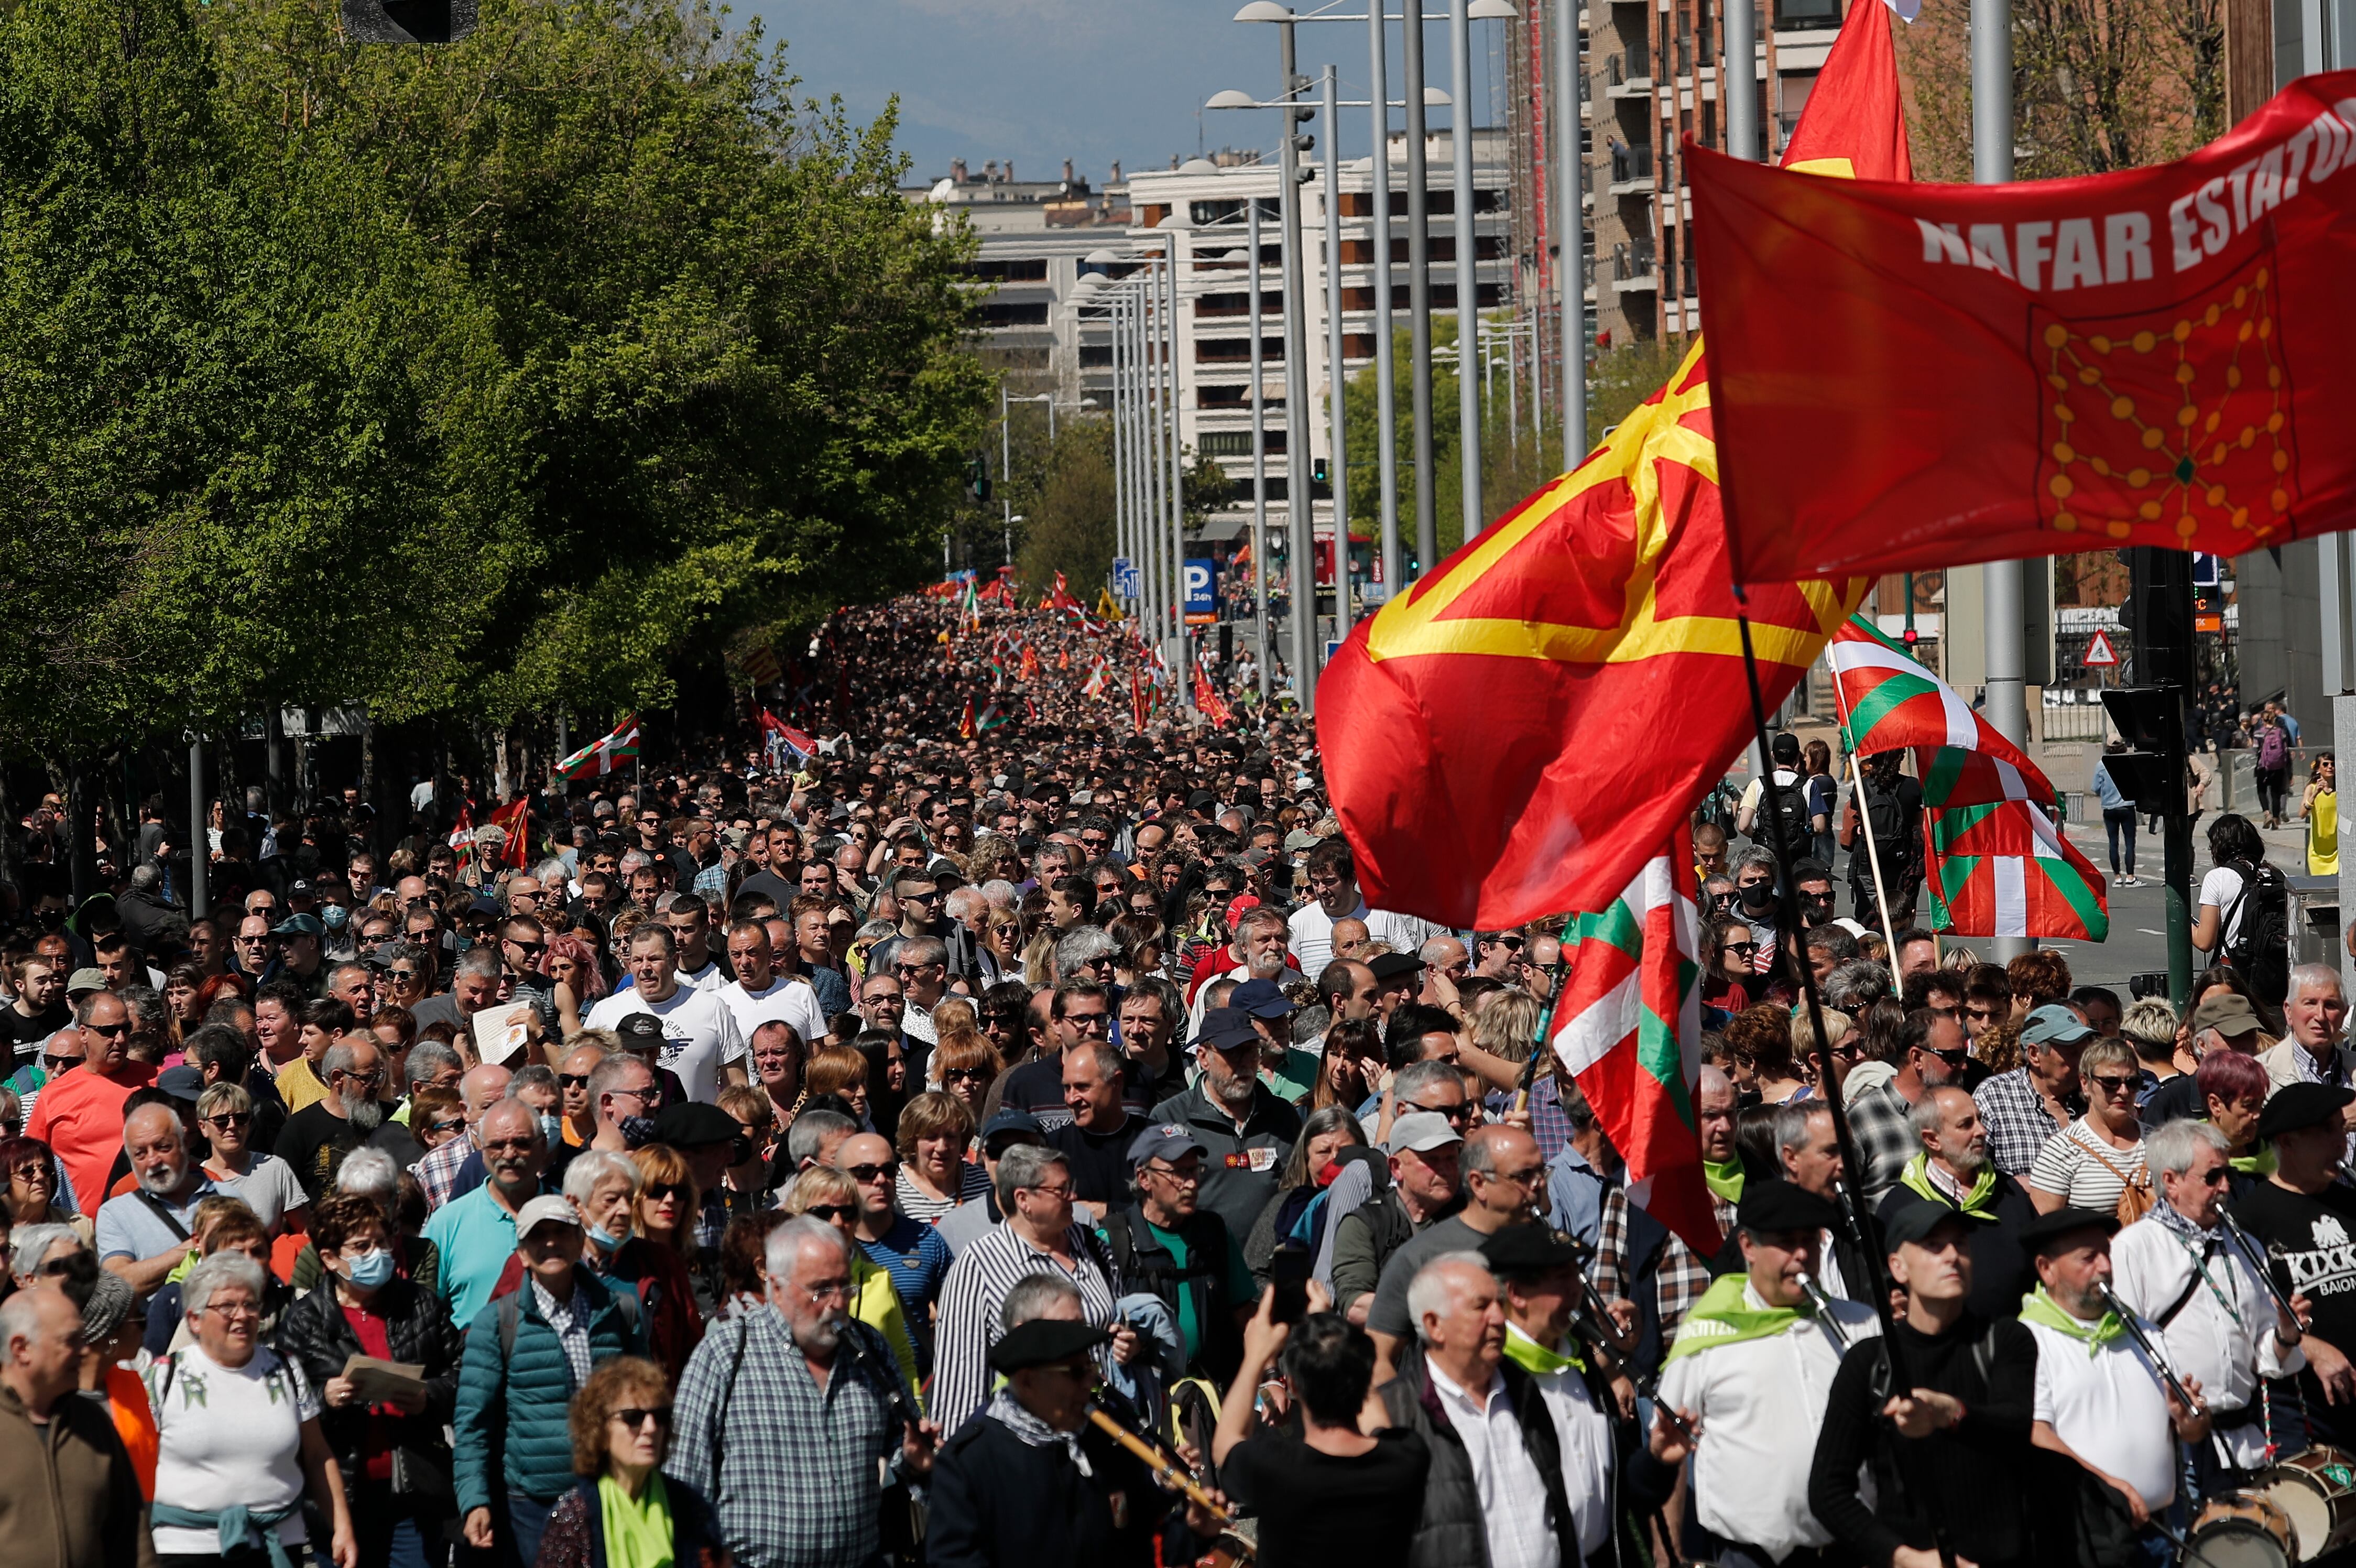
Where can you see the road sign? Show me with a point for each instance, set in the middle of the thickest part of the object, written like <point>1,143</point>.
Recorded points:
<point>1202,590</point>
<point>1124,577</point>
<point>2100,654</point>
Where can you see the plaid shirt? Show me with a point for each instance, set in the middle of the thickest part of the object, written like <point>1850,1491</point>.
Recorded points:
<point>2018,1121</point>
<point>1886,1140</point>
<point>437,1173</point>
<point>1677,1283</point>
<point>791,1469</point>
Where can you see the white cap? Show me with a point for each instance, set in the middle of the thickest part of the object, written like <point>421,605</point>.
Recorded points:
<point>548,1206</point>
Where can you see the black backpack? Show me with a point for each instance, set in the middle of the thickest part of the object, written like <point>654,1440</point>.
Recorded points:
<point>1792,807</point>
<point>2259,949</point>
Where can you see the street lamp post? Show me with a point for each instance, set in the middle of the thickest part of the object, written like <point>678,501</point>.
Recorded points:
<point>1467,269</point>
<point>1176,537</point>
<point>1419,283</point>
<point>1386,437</point>
<point>1336,349</point>
<point>1259,458</point>
<point>1571,160</point>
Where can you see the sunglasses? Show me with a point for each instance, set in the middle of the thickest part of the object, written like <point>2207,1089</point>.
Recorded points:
<point>112,1031</point>
<point>455,1124</point>
<point>660,1190</point>
<point>635,1417</point>
<point>862,1175</point>
<point>230,1119</point>
<point>2113,1086</point>
<point>965,1075</point>
<point>572,1081</point>
<point>831,1212</point>
<point>1453,1113</point>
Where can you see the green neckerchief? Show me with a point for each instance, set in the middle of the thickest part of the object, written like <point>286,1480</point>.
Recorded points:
<point>2260,1162</point>
<point>1980,1200</point>
<point>1723,1317</point>
<point>1724,1180</point>
<point>1532,1357</point>
<point>2038,1307</point>
<point>637,1529</point>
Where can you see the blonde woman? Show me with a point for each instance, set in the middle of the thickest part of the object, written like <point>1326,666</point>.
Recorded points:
<point>2095,1160</point>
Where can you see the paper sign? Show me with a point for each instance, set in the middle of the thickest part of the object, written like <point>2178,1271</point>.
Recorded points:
<point>502,1032</point>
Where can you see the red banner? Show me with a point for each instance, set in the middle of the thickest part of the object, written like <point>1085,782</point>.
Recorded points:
<point>1908,376</point>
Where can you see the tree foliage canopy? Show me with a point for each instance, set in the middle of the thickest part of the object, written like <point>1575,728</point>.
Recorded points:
<point>476,378</point>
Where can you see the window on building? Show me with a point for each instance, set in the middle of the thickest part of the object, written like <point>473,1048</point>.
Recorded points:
<point>1000,315</point>
<point>1095,358</point>
<point>1002,270</point>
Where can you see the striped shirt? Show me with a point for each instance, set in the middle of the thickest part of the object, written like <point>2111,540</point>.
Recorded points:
<point>2084,1169</point>
<point>917,1204</point>
<point>975,1291</point>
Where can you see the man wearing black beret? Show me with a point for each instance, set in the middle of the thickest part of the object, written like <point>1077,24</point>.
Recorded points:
<point>1031,1481</point>
<point>2306,1218</point>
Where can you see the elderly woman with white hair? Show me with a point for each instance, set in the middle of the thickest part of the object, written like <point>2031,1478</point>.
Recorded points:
<point>39,1251</point>
<point>237,1438</point>
<point>603,1188</point>
<point>373,1174</point>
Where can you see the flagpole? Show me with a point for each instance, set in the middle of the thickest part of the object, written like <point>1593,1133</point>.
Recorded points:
<point>1864,823</point>
<point>1852,1206</point>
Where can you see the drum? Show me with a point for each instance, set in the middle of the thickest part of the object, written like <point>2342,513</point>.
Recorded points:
<point>2316,1490</point>
<point>2238,1530</point>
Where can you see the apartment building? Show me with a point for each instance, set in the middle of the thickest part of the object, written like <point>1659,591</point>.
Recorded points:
<point>1201,209</point>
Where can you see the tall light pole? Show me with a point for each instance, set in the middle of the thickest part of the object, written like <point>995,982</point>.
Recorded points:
<point>2003,583</point>
<point>1738,82</point>
<point>1336,348</point>
<point>1571,162</point>
<point>1005,475</point>
<point>1176,537</point>
<point>1468,268</point>
<point>1418,285</point>
<point>1259,460</point>
<point>1386,437</point>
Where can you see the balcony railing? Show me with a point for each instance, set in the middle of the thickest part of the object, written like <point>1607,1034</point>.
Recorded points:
<point>1632,163</point>
<point>1632,262</point>
<point>1634,63</point>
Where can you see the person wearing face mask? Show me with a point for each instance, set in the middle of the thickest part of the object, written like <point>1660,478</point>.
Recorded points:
<point>1754,903</point>
<point>395,1461</point>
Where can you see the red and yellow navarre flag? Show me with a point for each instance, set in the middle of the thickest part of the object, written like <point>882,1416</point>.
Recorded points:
<point>1918,375</point>
<point>1521,732</point>
<point>965,720</point>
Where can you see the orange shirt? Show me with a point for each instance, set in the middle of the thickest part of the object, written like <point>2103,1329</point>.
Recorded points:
<point>80,1115</point>
<point>134,1419</point>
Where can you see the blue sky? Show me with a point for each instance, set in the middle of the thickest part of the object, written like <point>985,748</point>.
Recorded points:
<point>1043,80</point>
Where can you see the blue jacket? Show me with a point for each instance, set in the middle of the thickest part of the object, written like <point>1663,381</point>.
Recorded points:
<point>512,1411</point>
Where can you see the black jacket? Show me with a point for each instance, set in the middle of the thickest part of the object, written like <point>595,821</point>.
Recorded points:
<point>1145,1265</point>
<point>1240,1169</point>
<point>2002,1271</point>
<point>1452,1533</point>
<point>417,1326</point>
<point>998,1502</point>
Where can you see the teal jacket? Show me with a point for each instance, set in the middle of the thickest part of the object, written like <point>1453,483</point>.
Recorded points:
<point>512,1408</point>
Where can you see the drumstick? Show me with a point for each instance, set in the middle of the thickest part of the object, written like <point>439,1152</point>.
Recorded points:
<point>1159,1463</point>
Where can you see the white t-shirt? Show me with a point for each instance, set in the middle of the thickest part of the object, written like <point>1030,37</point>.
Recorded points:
<point>1312,941</point>
<point>2219,888</point>
<point>2108,1408</point>
<point>228,1434</point>
<point>700,1035</point>
<point>789,997</point>
<point>711,977</point>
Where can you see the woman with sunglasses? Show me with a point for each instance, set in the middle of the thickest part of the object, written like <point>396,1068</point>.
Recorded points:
<point>572,964</point>
<point>2094,1162</point>
<point>1726,979</point>
<point>965,1064</point>
<point>625,1513</point>
<point>32,1170</point>
<point>1002,935</point>
<point>831,1194</point>
<point>667,1201</point>
<point>267,1184</point>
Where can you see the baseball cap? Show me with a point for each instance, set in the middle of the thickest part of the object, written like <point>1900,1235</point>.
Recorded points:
<point>1781,1206</point>
<point>1261,999</point>
<point>1300,838</point>
<point>693,1124</point>
<point>299,926</point>
<point>1239,903</point>
<point>2054,1025</point>
<point>548,1206</point>
<point>85,981</point>
<point>2226,1012</point>
<point>1012,1122</point>
<point>1529,1251</point>
<point>1422,1131</point>
<point>1915,1218</point>
<point>1226,1029</point>
<point>638,1031</point>
<point>1168,1140</point>
<point>185,1081</point>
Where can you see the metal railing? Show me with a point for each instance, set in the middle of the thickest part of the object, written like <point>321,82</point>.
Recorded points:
<point>1632,263</point>
<point>1634,63</point>
<point>1631,163</point>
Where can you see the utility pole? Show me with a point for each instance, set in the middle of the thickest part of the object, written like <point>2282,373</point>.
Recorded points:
<point>1418,288</point>
<point>1571,260</point>
<point>1336,348</point>
<point>1467,270</point>
<point>1260,461</point>
<point>2150,715</point>
<point>1299,533</point>
<point>1385,413</point>
<point>2006,581</point>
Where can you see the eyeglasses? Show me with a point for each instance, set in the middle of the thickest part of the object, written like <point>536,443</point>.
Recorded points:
<point>455,1124</point>
<point>1960,1056</point>
<point>1525,1180</point>
<point>1094,1023</point>
<point>31,1172</point>
<point>58,1063</point>
<point>1743,949</point>
<point>404,977</point>
<point>1511,944</point>
<point>234,1311</point>
<point>862,1175</point>
<point>371,1079</point>
<point>964,1075</point>
<point>840,1290</point>
<point>1063,1191</point>
<point>1985,1014</point>
<point>906,970</point>
<point>2218,1177</point>
<point>529,950</point>
<point>634,1416</point>
<point>1173,1174</point>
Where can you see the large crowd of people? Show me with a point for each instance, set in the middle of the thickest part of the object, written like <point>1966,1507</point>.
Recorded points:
<point>1000,1132</point>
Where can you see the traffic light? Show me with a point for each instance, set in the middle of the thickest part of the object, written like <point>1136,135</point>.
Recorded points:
<point>2150,772</point>
<point>408,21</point>
<point>977,481</point>
<point>1321,483</point>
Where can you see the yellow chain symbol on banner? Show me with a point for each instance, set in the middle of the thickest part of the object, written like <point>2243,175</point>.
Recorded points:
<point>2182,419</point>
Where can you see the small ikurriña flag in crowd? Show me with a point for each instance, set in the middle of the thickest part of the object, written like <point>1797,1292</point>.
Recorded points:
<point>1208,702</point>
<point>1095,684</point>
<point>1892,701</point>
<point>1928,375</point>
<point>2004,870</point>
<point>1512,736</point>
<point>965,720</point>
<point>604,754</point>
<point>993,715</point>
<point>1628,1028</point>
<point>514,819</point>
<point>462,833</point>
